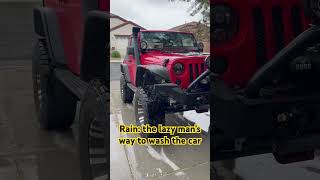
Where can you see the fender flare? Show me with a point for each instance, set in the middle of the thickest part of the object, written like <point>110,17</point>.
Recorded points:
<point>46,25</point>
<point>151,70</point>
<point>95,58</point>
<point>125,71</point>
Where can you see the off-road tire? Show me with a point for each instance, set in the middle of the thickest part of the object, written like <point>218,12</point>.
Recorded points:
<point>94,132</point>
<point>126,92</point>
<point>147,111</point>
<point>55,104</point>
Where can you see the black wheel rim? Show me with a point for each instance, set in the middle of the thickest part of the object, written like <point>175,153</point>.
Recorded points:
<point>39,91</point>
<point>97,151</point>
<point>122,92</point>
<point>141,120</point>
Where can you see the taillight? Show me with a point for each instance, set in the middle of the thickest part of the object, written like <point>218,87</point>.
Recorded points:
<point>225,23</point>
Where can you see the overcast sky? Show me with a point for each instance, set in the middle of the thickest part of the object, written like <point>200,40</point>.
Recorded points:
<point>154,14</point>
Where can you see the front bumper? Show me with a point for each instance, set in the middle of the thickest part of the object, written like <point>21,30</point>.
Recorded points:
<point>256,146</point>
<point>186,99</point>
<point>286,125</point>
<point>240,116</point>
<point>180,95</point>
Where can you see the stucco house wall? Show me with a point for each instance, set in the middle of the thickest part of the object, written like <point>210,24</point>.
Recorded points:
<point>119,38</point>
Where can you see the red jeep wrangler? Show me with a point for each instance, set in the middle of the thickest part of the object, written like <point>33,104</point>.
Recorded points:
<point>266,97</point>
<point>70,65</point>
<point>164,71</point>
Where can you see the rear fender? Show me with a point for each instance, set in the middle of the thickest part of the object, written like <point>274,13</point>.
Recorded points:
<point>125,70</point>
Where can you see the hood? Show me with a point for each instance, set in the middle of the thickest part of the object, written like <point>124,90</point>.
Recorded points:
<point>193,63</point>
<point>159,57</point>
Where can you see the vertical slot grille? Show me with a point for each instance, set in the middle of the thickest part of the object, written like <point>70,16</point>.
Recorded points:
<point>259,30</point>
<point>197,70</point>
<point>296,20</point>
<point>202,67</point>
<point>278,28</point>
<point>191,73</point>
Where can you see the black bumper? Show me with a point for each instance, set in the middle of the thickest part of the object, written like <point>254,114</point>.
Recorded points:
<point>196,96</point>
<point>258,146</point>
<point>238,116</point>
<point>182,96</point>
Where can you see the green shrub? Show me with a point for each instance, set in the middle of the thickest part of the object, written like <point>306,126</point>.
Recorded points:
<point>115,54</point>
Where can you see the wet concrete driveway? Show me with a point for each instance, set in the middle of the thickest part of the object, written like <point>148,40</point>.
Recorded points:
<point>154,162</point>
<point>26,151</point>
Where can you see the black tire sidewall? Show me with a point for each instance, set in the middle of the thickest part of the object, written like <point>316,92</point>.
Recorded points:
<point>156,117</point>
<point>94,104</point>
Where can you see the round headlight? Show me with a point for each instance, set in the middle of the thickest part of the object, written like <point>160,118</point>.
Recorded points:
<point>178,68</point>
<point>225,23</point>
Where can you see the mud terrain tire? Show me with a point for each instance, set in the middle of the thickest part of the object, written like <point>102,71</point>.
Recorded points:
<point>94,132</point>
<point>147,111</point>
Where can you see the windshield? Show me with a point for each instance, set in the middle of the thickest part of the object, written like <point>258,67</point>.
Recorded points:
<point>167,41</point>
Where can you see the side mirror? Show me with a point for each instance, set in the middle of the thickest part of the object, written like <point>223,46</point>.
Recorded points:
<point>200,46</point>
<point>130,51</point>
